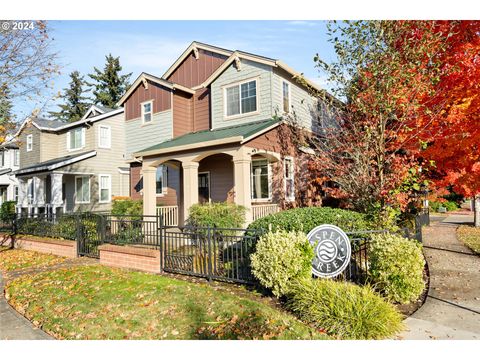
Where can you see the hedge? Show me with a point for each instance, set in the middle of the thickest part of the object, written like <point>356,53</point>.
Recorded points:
<point>305,219</point>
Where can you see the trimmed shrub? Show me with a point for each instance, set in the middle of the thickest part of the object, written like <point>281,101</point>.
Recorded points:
<point>219,214</point>
<point>127,207</point>
<point>396,267</point>
<point>7,210</point>
<point>344,309</point>
<point>281,257</point>
<point>305,219</point>
<point>449,205</point>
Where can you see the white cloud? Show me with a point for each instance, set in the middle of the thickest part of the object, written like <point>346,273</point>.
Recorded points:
<point>302,23</point>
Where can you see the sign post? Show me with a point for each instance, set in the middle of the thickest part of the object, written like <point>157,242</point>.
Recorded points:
<point>332,250</point>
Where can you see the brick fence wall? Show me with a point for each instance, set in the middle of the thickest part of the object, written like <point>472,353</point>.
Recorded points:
<point>130,257</point>
<point>66,248</point>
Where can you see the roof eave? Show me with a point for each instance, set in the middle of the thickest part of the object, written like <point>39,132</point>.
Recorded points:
<point>229,140</point>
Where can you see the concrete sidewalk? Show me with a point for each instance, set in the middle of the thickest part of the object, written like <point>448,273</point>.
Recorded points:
<point>13,326</point>
<point>452,308</point>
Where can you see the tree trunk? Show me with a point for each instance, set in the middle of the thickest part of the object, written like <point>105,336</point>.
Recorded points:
<point>476,211</point>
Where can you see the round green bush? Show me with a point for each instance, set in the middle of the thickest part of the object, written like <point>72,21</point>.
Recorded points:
<point>305,219</point>
<point>344,309</point>
<point>396,267</point>
<point>281,257</point>
<point>218,214</point>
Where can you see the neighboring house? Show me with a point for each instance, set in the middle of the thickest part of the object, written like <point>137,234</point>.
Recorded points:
<point>211,129</point>
<point>75,166</point>
<point>9,161</point>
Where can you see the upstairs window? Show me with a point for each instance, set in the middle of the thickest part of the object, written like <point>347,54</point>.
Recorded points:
<point>16,157</point>
<point>2,158</point>
<point>289,179</point>
<point>29,142</point>
<point>147,110</point>
<point>241,98</point>
<point>161,180</point>
<point>260,178</point>
<point>286,96</point>
<point>76,139</point>
<point>104,137</point>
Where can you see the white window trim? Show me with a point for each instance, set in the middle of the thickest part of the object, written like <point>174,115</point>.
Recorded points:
<point>89,190</point>
<point>100,188</point>
<point>29,142</point>
<point>269,176</point>
<point>239,83</point>
<point>16,157</point>
<point>289,95</point>
<point>164,184</point>
<point>142,112</point>
<point>291,198</point>
<point>82,139</point>
<point>109,145</point>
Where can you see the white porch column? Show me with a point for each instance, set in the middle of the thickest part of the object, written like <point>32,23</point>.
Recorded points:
<point>39,190</point>
<point>22,194</point>
<point>241,169</point>
<point>149,190</point>
<point>190,186</point>
<point>56,196</point>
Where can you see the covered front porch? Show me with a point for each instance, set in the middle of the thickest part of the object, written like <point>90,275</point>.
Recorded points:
<point>237,174</point>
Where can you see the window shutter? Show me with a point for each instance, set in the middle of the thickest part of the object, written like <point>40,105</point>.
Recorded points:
<point>108,135</point>
<point>68,140</point>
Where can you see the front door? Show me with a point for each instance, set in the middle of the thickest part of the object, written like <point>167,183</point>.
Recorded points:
<point>203,187</point>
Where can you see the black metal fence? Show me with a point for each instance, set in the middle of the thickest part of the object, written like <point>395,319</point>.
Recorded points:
<point>209,252</point>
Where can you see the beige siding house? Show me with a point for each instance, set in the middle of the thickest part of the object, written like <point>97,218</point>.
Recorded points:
<point>76,166</point>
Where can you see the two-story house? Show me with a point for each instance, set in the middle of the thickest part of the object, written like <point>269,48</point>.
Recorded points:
<point>9,162</point>
<point>75,166</point>
<point>212,129</point>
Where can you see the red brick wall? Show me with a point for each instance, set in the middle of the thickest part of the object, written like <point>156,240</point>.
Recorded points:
<point>130,258</point>
<point>66,248</point>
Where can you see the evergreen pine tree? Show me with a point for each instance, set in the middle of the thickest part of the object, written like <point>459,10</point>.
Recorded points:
<point>109,85</point>
<point>76,103</point>
<point>6,116</point>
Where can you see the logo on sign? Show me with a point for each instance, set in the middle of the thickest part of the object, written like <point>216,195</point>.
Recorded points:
<point>332,250</point>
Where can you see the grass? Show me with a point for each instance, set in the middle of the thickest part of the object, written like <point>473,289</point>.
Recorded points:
<point>470,236</point>
<point>21,259</point>
<point>97,302</point>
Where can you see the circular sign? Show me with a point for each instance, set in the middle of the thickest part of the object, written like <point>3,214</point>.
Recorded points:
<point>332,250</point>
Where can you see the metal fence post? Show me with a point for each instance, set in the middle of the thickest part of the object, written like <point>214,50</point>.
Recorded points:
<point>159,240</point>
<point>78,231</point>
<point>209,256</point>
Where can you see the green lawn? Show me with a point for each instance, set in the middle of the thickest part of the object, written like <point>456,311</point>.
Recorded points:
<point>97,302</point>
<point>470,236</point>
<point>21,259</point>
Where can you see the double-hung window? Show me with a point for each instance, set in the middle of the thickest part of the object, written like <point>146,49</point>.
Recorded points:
<point>2,158</point>
<point>147,111</point>
<point>105,188</point>
<point>29,142</point>
<point>241,98</point>
<point>286,96</point>
<point>16,157</point>
<point>260,180</point>
<point>82,189</point>
<point>161,180</point>
<point>104,137</point>
<point>289,179</point>
<point>76,139</point>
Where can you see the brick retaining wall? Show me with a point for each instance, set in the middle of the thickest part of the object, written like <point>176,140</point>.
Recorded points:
<point>130,257</point>
<point>59,247</point>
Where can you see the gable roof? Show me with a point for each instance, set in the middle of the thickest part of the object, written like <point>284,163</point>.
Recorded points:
<point>143,77</point>
<point>93,109</point>
<point>56,163</point>
<point>57,125</point>
<point>193,46</point>
<point>232,134</point>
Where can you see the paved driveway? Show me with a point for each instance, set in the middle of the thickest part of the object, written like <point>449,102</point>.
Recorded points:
<point>452,309</point>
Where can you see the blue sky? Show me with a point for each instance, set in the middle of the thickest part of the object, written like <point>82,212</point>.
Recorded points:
<point>152,46</point>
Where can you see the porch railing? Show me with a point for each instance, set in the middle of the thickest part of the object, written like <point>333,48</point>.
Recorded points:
<point>169,215</point>
<point>259,211</point>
